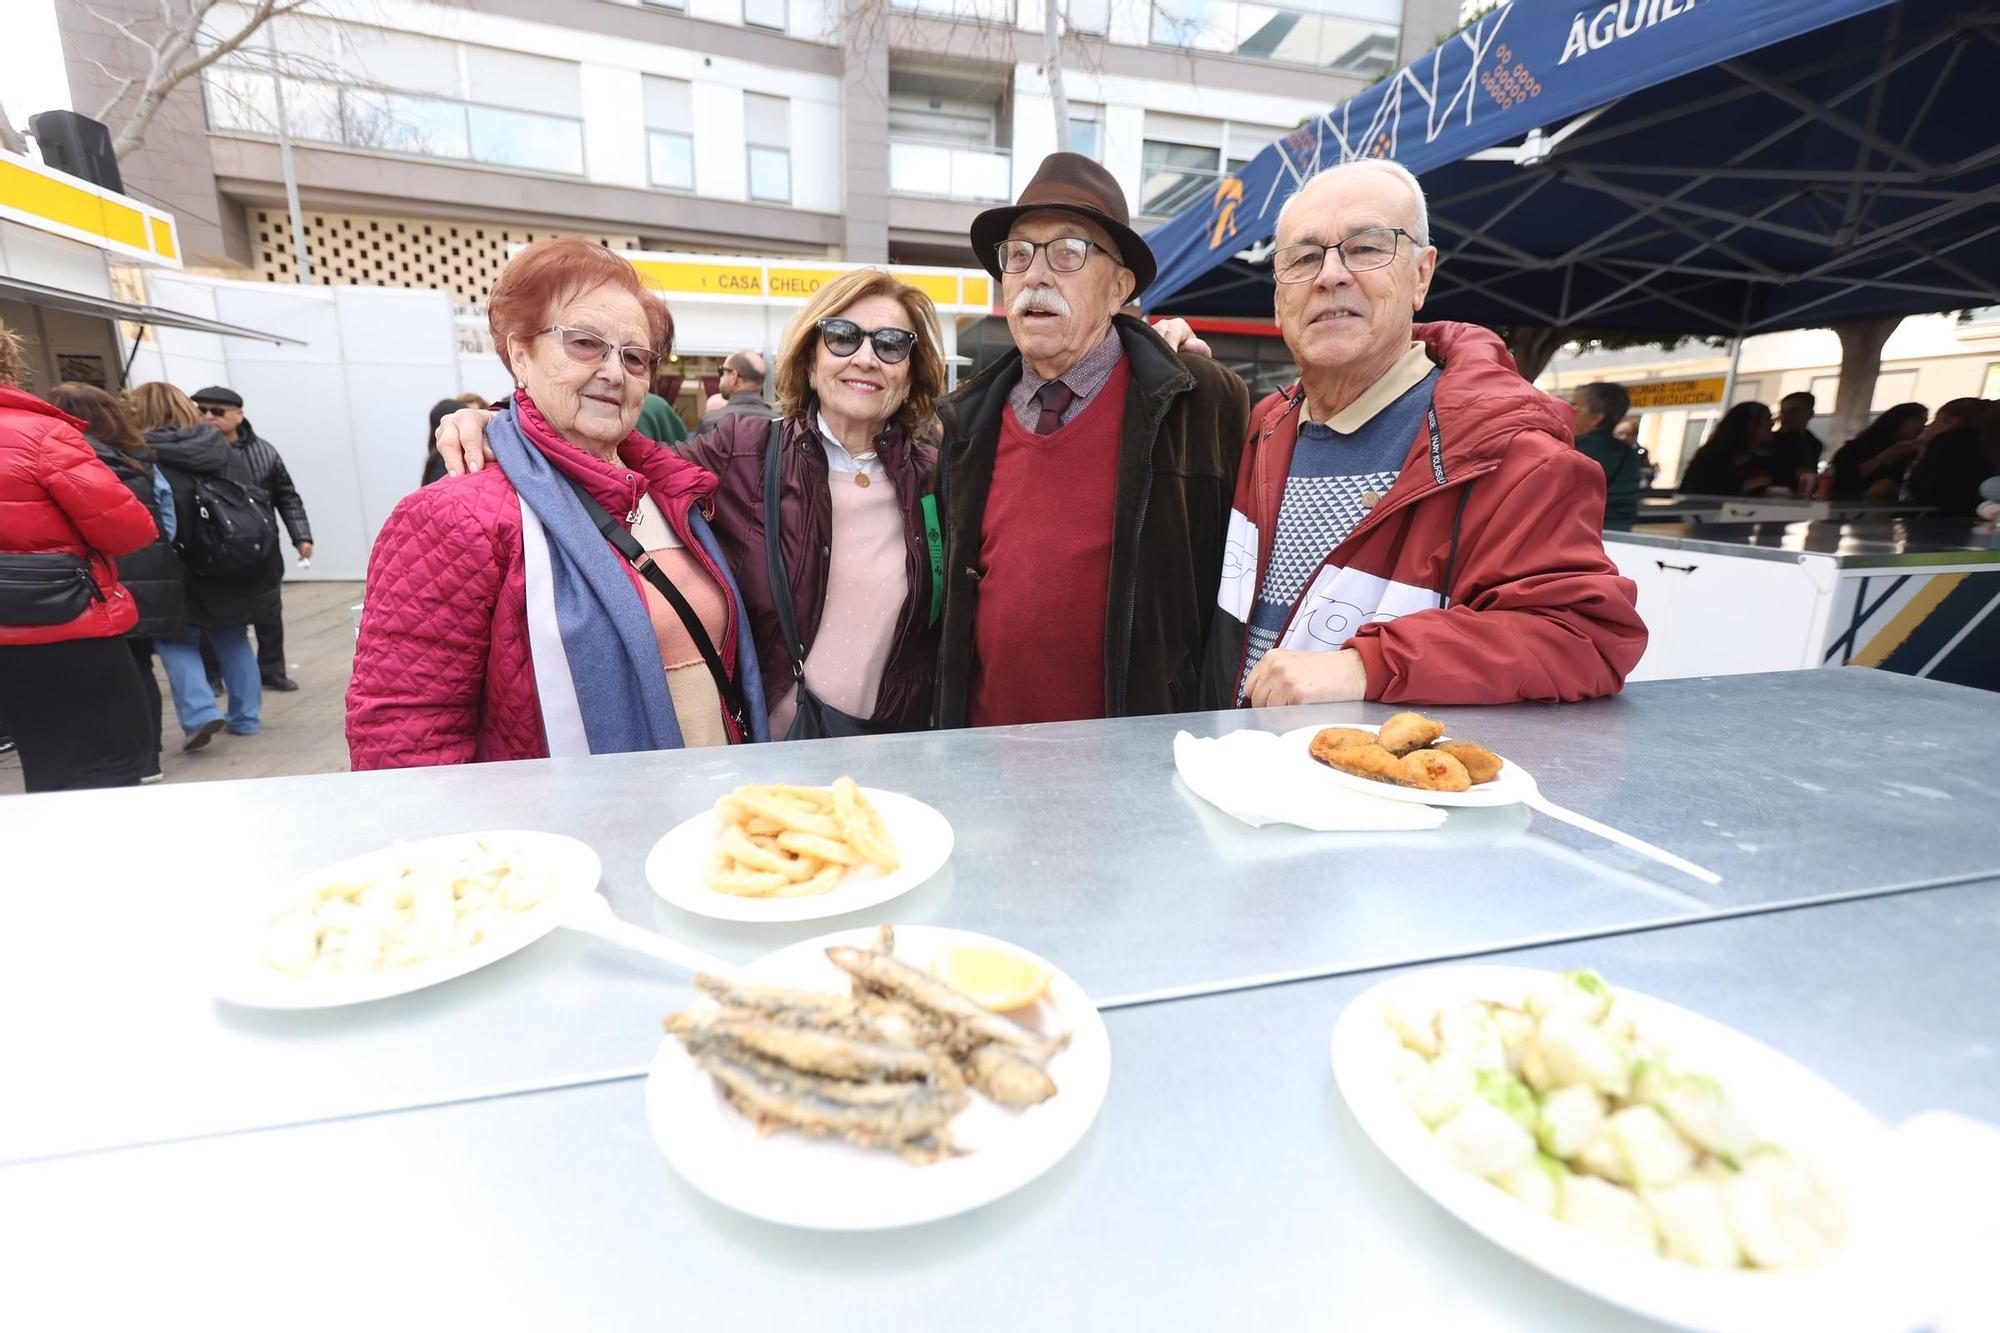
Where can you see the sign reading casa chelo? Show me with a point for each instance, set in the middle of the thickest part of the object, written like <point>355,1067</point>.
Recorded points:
<point>1594,31</point>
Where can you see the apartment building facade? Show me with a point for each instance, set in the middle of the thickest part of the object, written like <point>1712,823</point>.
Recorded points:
<point>428,138</point>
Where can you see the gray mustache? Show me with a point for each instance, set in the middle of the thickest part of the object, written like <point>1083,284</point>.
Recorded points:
<point>1039,299</point>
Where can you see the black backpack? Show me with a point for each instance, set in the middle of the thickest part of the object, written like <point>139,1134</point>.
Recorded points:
<point>232,534</point>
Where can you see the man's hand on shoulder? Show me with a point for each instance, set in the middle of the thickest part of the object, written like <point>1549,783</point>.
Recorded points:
<point>1285,676</point>
<point>1179,336</point>
<point>461,441</point>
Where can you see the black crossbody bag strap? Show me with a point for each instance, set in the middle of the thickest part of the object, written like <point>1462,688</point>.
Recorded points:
<point>774,555</point>
<point>635,555</point>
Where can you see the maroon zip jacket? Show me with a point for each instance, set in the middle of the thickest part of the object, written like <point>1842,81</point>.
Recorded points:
<point>1480,578</point>
<point>734,452</point>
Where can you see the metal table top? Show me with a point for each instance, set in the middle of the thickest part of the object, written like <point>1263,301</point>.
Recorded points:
<point>1074,840</point>
<point>1880,543</point>
<point>1224,1185</point>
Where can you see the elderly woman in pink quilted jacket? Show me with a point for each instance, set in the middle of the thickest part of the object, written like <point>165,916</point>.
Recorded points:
<point>571,600</point>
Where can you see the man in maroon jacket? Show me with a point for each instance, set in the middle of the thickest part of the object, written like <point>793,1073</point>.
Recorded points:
<point>1412,522</point>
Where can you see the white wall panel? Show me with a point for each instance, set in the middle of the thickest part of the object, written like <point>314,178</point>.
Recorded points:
<point>721,165</point>
<point>817,176</point>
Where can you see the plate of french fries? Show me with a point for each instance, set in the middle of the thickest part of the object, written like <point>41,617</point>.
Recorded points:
<point>783,852</point>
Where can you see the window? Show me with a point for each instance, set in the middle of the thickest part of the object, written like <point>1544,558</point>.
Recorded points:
<point>1358,37</point>
<point>524,139</point>
<point>764,14</point>
<point>1086,130</point>
<point>395,92</point>
<point>670,133</point>
<point>1180,162</point>
<point>978,11</point>
<point>767,129</point>
<point>1086,15</point>
<point>396,123</point>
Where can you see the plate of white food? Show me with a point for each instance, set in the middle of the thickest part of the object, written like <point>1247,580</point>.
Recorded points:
<point>1631,1148</point>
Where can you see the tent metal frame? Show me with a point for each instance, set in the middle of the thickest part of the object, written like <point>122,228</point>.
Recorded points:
<point>1709,263</point>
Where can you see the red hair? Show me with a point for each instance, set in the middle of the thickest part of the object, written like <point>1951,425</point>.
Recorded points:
<point>548,273</point>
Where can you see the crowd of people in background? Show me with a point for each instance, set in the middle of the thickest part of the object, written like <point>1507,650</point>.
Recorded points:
<point>133,525</point>
<point>1932,461</point>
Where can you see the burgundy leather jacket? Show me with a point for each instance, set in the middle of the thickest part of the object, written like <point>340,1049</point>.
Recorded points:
<point>734,452</point>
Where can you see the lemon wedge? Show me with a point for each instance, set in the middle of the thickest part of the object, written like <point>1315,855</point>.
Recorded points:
<point>991,978</point>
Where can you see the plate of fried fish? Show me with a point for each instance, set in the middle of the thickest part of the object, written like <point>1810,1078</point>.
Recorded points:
<point>1626,1146</point>
<point>846,1084</point>
<point>1409,757</point>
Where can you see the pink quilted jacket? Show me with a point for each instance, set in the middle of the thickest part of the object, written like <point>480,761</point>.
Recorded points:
<point>443,673</point>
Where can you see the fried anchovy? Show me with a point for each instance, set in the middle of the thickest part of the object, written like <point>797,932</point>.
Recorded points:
<point>797,1008</point>
<point>872,1115</point>
<point>898,980</point>
<point>816,1052</point>
<point>1008,1077</point>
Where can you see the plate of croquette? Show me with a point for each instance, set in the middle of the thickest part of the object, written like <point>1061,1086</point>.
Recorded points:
<point>1410,757</point>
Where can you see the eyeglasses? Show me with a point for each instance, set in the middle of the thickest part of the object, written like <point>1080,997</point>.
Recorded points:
<point>1361,253</point>
<point>211,409</point>
<point>843,337</point>
<point>588,349</point>
<point>1066,254</point>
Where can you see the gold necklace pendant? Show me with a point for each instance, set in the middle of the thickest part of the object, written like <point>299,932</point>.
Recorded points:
<point>861,479</point>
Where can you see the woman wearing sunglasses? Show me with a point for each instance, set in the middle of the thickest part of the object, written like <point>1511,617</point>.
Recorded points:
<point>827,513</point>
<point>571,600</point>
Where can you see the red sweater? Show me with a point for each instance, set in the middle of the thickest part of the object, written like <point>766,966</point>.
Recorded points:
<point>1045,567</point>
<point>56,497</point>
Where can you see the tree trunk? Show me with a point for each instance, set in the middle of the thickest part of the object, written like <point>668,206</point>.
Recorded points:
<point>1533,347</point>
<point>1861,343</point>
<point>1052,60</point>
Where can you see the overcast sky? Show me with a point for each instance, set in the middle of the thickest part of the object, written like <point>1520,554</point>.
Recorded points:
<point>31,63</point>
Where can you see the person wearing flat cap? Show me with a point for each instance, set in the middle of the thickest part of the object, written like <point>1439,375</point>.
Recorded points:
<point>1086,477</point>
<point>223,408</point>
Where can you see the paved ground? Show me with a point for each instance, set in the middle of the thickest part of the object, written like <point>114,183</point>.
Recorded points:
<point>303,730</point>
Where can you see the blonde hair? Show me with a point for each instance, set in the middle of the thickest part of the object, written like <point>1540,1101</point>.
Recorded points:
<point>158,404</point>
<point>793,380</point>
<point>13,366</point>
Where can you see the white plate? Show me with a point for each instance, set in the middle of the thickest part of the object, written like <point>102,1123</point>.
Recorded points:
<point>247,980</point>
<point>831,1185</point>
<point>1785,1102</point>
<point>1513,786</point>
<point>923,841</point>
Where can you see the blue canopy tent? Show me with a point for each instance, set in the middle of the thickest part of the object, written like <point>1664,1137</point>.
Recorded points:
<point>1673,166</point>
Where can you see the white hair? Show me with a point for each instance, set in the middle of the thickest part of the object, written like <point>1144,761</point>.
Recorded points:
<point>1381,165</point>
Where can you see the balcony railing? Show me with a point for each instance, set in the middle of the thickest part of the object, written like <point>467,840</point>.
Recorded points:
<point>944,171</point>
<point>376,120</point>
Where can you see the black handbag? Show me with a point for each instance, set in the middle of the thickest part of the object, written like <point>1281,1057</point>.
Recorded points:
<point>51,589</point>
<point>726,686</point>
<point>815,717</point>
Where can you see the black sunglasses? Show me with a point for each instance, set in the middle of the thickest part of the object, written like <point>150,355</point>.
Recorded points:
<point>211,409</point>
<point>843,337</point>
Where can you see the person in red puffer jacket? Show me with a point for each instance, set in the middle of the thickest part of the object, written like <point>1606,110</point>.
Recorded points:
<point>68,687</point>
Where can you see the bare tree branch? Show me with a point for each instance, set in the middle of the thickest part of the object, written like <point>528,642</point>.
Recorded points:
<point>177,56</point>
<point>10,138</point>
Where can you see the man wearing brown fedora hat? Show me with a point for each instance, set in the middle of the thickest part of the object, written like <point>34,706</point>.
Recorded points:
<point>1085,478</point>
